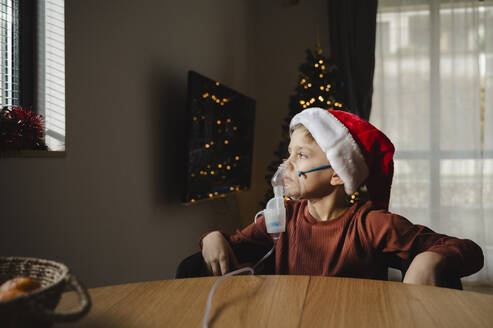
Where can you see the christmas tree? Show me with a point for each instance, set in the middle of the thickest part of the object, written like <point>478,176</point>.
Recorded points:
<point>319,85</point>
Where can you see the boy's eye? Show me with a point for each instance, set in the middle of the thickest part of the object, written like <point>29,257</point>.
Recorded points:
<point>301,155</point>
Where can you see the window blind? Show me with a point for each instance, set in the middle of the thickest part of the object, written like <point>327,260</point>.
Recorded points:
<point>51,70</point>
<point>9,53</point>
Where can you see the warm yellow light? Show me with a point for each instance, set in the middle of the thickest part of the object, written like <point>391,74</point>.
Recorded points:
<point>323,67</point>
<point>218,122</point>
<point>208,166</point>
<point>216,193</point>
<point>203,117</point>
<point>320,61</point>
<point>222,104</point>
<point>226,142</point>
<point>212,172</point>
<point>235,128</point>
<point>205,95</point>
<point>237,157</point>
<point>210,195</point>
<point>212,142</point>
<point>213,97</point>
<point>192,200</point>
<point>228,120</point>
<point>312,100</point>
<point>237,188</point>
<point>219,165</point>
<point>217,100</point>
<point>231,188</point>
<point>328,102</point>
<point>302,102</point>
<point>321,88</point>
<point>309,85</point>
<point>207,146</point>
<point>302,81</point>
<point>320,98</point>
<point>217,83</point>
<point>193,174</point>
<point>316,65</point>
<point>329,86</point>
<point>228,167</point>
<point>321,76</point>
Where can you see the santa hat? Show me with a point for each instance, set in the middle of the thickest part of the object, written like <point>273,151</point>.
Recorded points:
<point>358,152</point>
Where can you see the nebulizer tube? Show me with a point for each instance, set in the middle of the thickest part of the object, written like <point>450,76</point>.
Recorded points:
<point>275,222</point>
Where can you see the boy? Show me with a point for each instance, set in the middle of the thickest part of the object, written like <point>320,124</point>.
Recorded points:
<point>332,154</point>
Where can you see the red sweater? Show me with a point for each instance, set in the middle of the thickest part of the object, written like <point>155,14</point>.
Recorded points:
<point>359,243</point>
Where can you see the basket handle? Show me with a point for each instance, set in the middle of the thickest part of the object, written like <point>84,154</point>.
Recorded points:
<point>79,312</point>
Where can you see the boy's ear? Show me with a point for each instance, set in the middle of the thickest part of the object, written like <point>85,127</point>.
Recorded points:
<point>336,180</point>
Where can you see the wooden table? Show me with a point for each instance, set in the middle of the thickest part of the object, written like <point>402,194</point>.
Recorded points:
<point>282,301</point>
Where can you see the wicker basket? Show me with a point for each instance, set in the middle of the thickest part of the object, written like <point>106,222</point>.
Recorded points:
<point>37,308</point>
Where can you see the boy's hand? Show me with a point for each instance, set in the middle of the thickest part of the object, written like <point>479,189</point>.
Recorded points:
<point>217,254</point>
<point>425,269</point>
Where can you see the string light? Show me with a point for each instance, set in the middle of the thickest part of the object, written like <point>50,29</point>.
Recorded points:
<point>192,200</point>
<point>228,120</point>
<point>205,95</point>
<point>320,61</point>
<point>323,67</point>
<point>321,88</point>
<point>320,98</point>
<point>309,85</point>
<point>303,80</point>
<point>235,128</point>
<point>219,165</point>
<point>237,157</point>
<point>316,65</point>
<point>228,167</point>
<point>231,188</point>
<point>210,195</point>
<point>217,83</point>
<point>207,146</point>
<point>302,102</point>
<point>218,122</point>
<point>226,142</point>
<point>321,76</point>
<point>195,118</point>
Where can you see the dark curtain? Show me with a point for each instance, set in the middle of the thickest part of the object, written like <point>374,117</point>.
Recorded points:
<point>352,27</point>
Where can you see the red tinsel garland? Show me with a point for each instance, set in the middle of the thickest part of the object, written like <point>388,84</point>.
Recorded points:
<point>20,128</point>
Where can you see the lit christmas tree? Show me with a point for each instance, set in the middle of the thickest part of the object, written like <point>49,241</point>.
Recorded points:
<point>319,85</point>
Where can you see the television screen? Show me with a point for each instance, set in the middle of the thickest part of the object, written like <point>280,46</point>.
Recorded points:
<point>220,139</point>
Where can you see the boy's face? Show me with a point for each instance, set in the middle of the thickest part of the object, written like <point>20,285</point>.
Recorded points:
<point>305,154</point>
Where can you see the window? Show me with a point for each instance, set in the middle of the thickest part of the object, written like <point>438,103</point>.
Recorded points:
<point>32,68</point>
<point>432,87</point>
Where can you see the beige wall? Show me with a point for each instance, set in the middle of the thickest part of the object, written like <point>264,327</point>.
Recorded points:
<point>110,208</point>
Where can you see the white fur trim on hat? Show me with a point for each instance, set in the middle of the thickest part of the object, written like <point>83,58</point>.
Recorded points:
<point>338,144</point>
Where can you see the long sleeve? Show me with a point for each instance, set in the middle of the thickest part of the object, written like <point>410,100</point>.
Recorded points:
<point>253,234</point>
<point>391,233</point>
